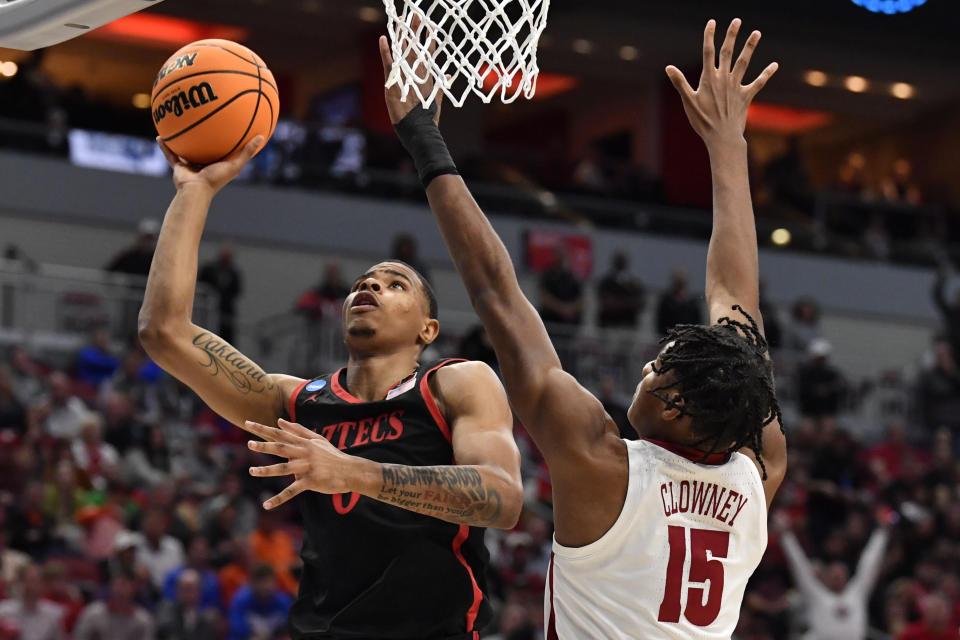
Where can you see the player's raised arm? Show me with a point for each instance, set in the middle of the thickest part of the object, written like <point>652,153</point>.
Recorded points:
<point>232,384</point>
<point>717,110</point>
<point>560,414</point>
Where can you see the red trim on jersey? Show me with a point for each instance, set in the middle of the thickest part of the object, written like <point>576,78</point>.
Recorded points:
<point>431,402</point>
<point>340,391</point>
<point>293,400</point>
<point>552,620</point>
<point>691,454</point>
<point>474,609</point>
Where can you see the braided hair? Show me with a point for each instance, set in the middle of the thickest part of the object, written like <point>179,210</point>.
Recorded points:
<point>723,380</point>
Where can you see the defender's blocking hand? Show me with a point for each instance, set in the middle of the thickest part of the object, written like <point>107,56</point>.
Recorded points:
<point>717,110</point>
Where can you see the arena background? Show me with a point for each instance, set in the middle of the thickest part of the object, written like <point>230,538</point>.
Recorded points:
<point>857,193</point>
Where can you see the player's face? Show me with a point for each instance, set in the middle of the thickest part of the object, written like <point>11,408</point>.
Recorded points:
<point>645,412</point>
<point>387,308</point>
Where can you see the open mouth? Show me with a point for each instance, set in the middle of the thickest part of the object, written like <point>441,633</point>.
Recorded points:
<point>364,300</point>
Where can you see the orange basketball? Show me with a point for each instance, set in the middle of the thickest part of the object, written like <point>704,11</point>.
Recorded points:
<point>211,98</point>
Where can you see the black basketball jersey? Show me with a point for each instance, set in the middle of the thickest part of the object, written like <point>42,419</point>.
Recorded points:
<point>373,570</point>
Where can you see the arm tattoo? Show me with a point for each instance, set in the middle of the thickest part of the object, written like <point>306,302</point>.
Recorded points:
<point>222,358</point>
<point>451,493</point>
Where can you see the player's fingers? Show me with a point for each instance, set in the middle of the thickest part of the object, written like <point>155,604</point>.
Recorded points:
<point>271,434</point>
<point>282,469</point>
<point>743,61</point>
<point>297,429</point>
<point>709,54</point>
<point>281,449</point>
<point>290,492</point>
<point>679,81</point>
<point>726,50</point>
<point>250,150</point>
<point>386,57</point>
<point>171,157</point>
<point>754,87</point>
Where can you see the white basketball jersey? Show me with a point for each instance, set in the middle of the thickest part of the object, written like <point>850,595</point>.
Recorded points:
<point>675,563</point>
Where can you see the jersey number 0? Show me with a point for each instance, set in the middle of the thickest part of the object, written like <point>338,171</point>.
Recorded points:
<point>698,612</point>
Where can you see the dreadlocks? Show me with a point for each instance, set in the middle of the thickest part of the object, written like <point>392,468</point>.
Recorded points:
<point>723,381</point>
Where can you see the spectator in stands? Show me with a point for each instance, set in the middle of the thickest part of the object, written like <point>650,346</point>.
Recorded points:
<point>475,345</point>
<point>260,609</point>
<point>561,293</point>
<point>186,616</point>
<point>59,589</point>
<point>936,623</point>
<point>245,512</point>
<point>118,617</point>
<point>851,179</point>
<point>405,249</point>
<point>198,562</point>
<point>899,185</point>
<point>30,527</point>
<point>95,362</point>
<point>615,407</point>
<point>11,560</point>
<point>622,296</point>
<point>938,389</point>
<point>836,605</point>
<point>149,464</point>
<point>678,305</point>
<point>160,552</point>
<point>787,180</point>
<point>121,427</point>
<point>949,310</point>
<point>138,378</point>
<point>61,499</point>
<point>589,175</point>
<point>235,572</point>
<point>820,386</point>
<point>136,259</point>
<point>96,458</point>
<point>28,613</point>
<point>63,413</point>
<point>326,299</point>
<point>771,319</point>
<point>274,547</point>
<point>225,278</point>
<point>876,239</point>
<point>804,324</point>
<point>12,413</point>
<point>26,376</point>
<point>124,561</point>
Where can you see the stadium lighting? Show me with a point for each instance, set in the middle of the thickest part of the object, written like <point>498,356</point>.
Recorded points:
<point>8,69</point>
<point>856,84</point>
<point>780,237</point>
<point>902,90</point>
<point>815,78</point>
<point>582,46</point>
<point>369,14</point>
<point>889,7</point>
<point>629,53</point>
<point>141,100</point>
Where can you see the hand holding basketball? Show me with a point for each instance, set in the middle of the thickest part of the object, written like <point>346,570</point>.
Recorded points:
<point>717,110</point>
<point>396,107</point>
<point>213,176</point>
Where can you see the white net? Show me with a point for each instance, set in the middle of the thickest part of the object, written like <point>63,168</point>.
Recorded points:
<point>486,47</point>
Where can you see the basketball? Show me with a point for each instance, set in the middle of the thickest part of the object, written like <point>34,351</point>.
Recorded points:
<point>211,98</point>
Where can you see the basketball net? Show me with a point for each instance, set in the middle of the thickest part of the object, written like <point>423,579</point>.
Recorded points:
<point>485,47</point>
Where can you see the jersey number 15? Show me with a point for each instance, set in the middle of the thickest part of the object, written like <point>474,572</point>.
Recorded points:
<point>698,612</point>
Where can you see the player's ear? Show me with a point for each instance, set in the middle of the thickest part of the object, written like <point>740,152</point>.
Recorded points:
<point>674,409</point>
<point>429,331</point>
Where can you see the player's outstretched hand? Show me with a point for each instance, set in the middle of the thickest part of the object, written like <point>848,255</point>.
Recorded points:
<point>315,464</point>
<point>717,110</point>
<point>396,107</point>
<point>213,176</point>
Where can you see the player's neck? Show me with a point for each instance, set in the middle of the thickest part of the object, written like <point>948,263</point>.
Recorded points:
<point>369,377</point>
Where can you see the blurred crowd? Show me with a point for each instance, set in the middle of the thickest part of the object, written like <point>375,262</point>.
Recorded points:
<point>870,212</point>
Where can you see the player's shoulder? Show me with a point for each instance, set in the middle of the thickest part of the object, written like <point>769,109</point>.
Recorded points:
<point>462,375</point>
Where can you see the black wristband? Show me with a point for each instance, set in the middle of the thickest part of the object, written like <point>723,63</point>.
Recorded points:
<point>421,137</point>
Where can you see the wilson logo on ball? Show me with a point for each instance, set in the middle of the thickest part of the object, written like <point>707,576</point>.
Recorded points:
<point>196,96</point>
